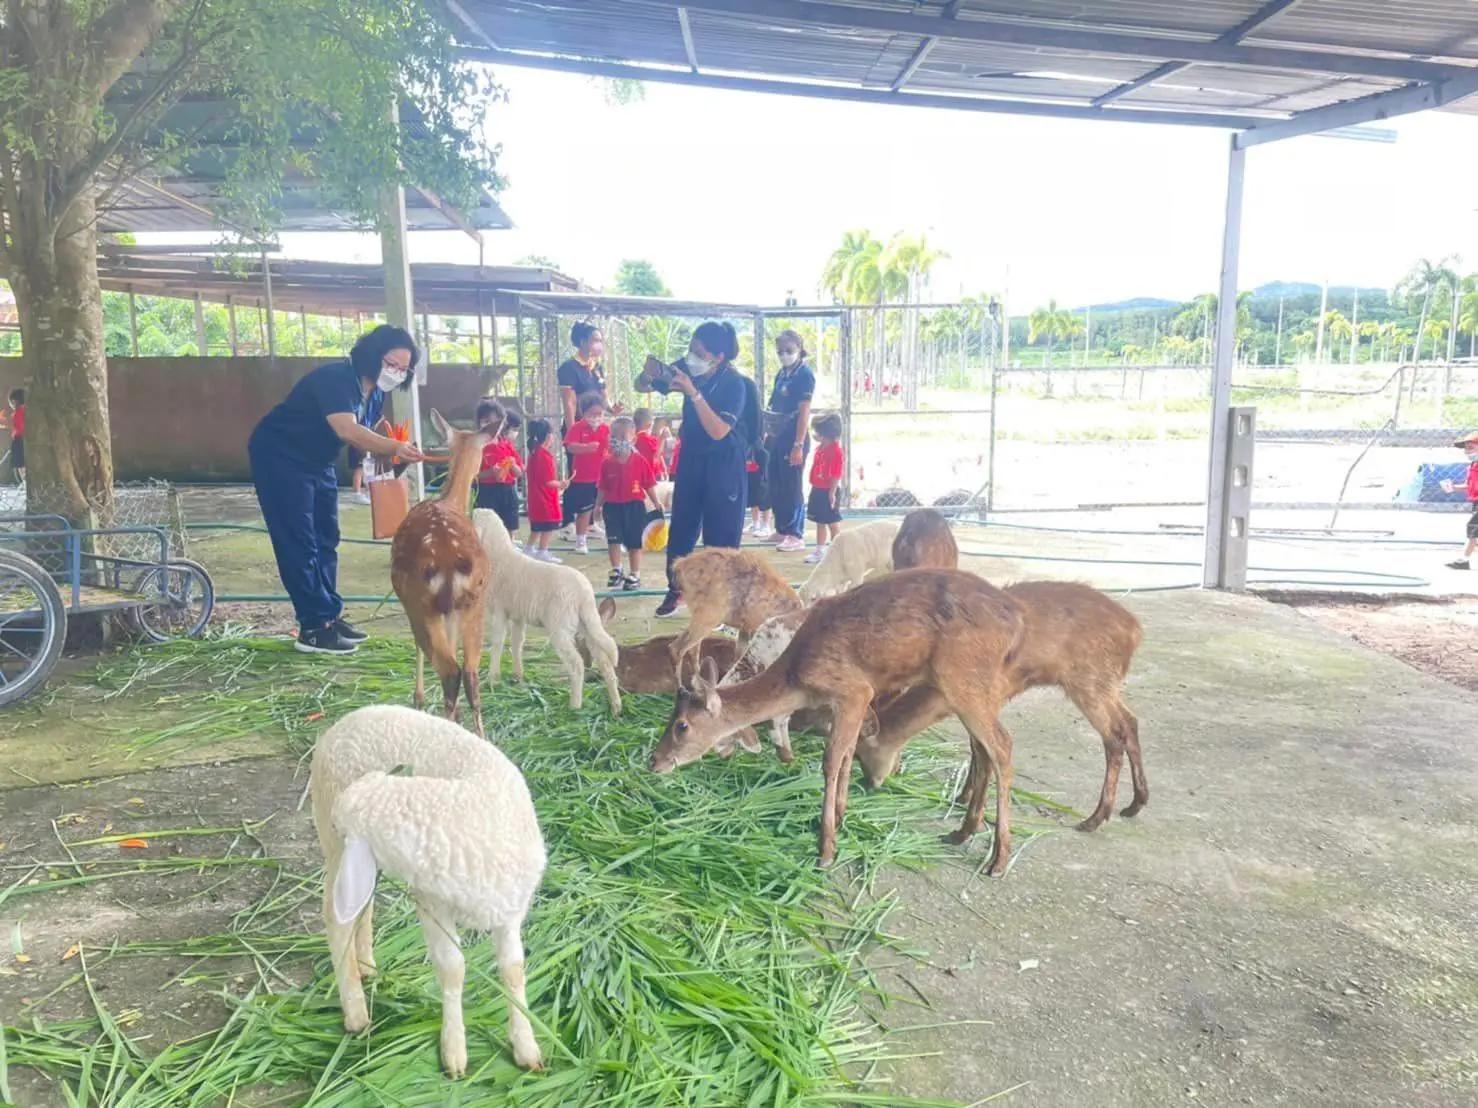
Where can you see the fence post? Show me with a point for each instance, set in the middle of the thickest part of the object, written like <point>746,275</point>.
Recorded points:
<point>1236,500</point>
<point>844,381</point>
<point>1218,482</point>
<point>990,460</point>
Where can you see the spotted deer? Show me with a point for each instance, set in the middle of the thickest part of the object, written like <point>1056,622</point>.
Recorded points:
<point>440,572</point>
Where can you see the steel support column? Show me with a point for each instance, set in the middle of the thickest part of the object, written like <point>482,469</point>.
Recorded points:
<point>395,259</point>
<point>1214,566</point>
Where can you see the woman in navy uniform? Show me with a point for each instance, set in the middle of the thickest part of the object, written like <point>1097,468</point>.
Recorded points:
<point>292,453</point>
<point>709,494</point>
<point>787,438</point>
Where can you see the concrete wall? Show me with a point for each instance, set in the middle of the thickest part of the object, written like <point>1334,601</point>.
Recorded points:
<point>188,419</point>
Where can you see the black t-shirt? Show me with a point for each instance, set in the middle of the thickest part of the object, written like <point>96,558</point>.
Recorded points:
<point>299,425</point>
<point>793,387</point>
<point>573,375</point>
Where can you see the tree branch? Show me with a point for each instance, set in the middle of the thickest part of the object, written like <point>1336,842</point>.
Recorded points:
<point>120,36</point>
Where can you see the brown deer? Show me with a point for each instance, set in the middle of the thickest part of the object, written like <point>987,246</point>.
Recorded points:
<point>1075,637</point>
<point>944,628</point>
<point>440,572</point>
<point>925,541</point>
<point>646,667</point>
<point>736,588</point>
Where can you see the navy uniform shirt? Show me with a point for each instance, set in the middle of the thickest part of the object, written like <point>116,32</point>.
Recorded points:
<point>725,390</point>
<point>793,387</point>
<point>298,427</point>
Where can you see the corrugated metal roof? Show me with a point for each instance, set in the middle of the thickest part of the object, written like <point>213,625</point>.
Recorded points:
<point>1218,62</point>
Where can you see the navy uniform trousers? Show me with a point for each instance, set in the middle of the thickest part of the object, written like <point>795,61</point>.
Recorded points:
<point>708,498</point>
<point>301,510</point>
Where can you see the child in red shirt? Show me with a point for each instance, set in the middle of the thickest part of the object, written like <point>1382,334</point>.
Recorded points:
<point>18,433</point>
<point>1468,444</point>
<point>587,442</point>
<point>647,444</point>
<point>626,481</point>
<point>502,466</point>
<point>544,489</point>
<point>827,469</point>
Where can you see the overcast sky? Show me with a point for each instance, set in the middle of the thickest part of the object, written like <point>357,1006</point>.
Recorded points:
<point>736,196</point>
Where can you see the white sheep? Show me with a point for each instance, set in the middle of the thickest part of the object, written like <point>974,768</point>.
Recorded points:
<point>853,554</point>
<point>662,493</point>
<point>459,830</point>
<point>559,599</point>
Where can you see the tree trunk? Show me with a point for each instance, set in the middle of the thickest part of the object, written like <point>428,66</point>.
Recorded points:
<point>69,452</point>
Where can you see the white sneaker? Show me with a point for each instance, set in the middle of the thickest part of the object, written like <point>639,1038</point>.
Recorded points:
<point>568,534</point>
<point>546,556</point>
<point>762,532</point>
<point>596,531</point>
<point>815,556</point>
<point>751,528</point>
<point>582,546</point>
<point>361,498</point>
<point>790,544</point>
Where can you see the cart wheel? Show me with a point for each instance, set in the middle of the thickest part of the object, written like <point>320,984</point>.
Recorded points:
<point>33,626</point>
<point>180,597</point>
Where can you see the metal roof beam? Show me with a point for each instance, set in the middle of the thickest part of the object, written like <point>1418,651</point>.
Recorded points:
<point>1232,37</point>
<point>925,48</point>
<point>1364,109</point>
<point>461,15</point>
<point>687,30</point>
<point>858,95</point>
<point>453,215</point>
<point>1095,41</point>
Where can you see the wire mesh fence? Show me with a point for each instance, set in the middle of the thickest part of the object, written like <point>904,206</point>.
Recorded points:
<point>141,523</point>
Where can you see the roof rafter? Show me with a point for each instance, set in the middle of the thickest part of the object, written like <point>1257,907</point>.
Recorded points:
<point>925,48</point>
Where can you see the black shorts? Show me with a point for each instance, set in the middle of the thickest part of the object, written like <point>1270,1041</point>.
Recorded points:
<point>356,459</point>
<point>819,508</point>
<point>539,526</point>
<point>625,523</point>
<point>579,498</point>
<point>502,499</point>
<point>759,491</point>
<point>1472,520</point>
<point>18,453</point>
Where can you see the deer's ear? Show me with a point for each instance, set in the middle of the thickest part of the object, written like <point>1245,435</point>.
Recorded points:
<point>443,428</point>
<point>709,669</point>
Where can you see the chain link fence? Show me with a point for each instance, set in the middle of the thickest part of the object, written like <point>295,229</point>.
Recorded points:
<point>144,522</point>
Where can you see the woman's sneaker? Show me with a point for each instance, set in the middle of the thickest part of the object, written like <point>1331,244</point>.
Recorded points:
<point>1461,563</point>
<point>323,640</point>
<point>614,578</point>
<point>348,632</point>
<point>630,583</point>
<point>790,544</point>
<point>670,604</point>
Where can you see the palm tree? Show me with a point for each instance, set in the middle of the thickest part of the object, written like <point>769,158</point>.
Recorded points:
<point>834,275</point>
<point>1050,323</point>
<point>906,264</point>
<point>1371,330</point>
<point>1468,313</point>
<point>1337,327</point>
<point>1424,277</point>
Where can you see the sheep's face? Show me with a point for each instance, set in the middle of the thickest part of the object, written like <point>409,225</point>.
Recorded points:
<point>696,724</point>
<point>878,762</point>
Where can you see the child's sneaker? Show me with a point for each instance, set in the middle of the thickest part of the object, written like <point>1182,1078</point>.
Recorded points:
<point>630,583</point>
<point>614,578</point>
<point>1461,563</point>
<point>670,604</point>
<point>546,556</point>
<point>815,556</point>
<point>790,544</point>
<point>751,528</point>
<point>762,532</point>
<point>582,546</point>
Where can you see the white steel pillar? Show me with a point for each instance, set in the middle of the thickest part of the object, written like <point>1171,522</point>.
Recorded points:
<point>1214,571</point>
<point>399,303</point>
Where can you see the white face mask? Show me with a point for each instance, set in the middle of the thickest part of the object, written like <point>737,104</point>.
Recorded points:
<point>391,378</point>
<point>789,358</point>
<point>697,367</point>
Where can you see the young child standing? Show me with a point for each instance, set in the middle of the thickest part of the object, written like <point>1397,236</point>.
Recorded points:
<point>1468,444</point>
<point>544,489</point>
<point>502,466</point>
<point>18,433</point>
<point>626,481</point>
<point>758,468</point>
<point>587,443</point>
<point>827,469</point>
<point>647,443</point>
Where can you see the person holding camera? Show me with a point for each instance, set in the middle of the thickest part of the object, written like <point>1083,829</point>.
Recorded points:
<point>709,493</point>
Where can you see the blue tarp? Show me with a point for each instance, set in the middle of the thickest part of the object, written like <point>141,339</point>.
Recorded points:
<point>1425,487</point>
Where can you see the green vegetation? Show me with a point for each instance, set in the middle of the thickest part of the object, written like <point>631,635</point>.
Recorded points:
<point>639,277</point>
<point>684,948</point>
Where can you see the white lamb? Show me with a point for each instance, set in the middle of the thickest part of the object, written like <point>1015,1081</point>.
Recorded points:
<point>853,554</point>
<point>459,829</point>
<point>557,598</point>
<point>662,493</point>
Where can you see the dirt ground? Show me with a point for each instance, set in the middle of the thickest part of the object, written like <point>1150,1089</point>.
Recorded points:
<point>1290,920</point>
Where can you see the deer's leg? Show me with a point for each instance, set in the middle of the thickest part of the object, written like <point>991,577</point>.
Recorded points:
<point>993,743</point>
<point>446,958</point>
<point>438,647</point>
<point>846,721</point>
<point>1101,712</point>
<point>364,941</point>
<point>470,626</point>
<point>780,736</point>
<point>499,622</point>
<point>564,646</point>
<point>420,698</point>
<point>1128,726</point>
<point>515,644</point>
<point>341,951</point>
<point>511,970</point>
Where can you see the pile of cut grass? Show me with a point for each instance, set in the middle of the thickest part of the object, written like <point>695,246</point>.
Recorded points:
<point>684,948</point>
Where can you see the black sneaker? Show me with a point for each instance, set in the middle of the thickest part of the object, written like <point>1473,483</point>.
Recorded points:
<point>614,578</point>
<point>324,640</point>
<point>348,632</point>
<point>630,583</point>
<point>670,604</point>
<point>1461,563</point>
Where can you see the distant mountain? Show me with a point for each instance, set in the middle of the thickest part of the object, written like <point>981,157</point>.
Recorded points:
<point>1274,289</point>
<point>1135,304</point>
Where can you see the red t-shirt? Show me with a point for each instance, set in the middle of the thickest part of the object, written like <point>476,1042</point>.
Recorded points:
<point>650,449</point>
<point>509,454</point>
<point>677,448</point>
<point>1472,474</point>
<point>587,465</point>
<point>18,422</point>
<point>625,482</point>
<point>828,466</point>
<point>493,453</point>
<point>543,494</point>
